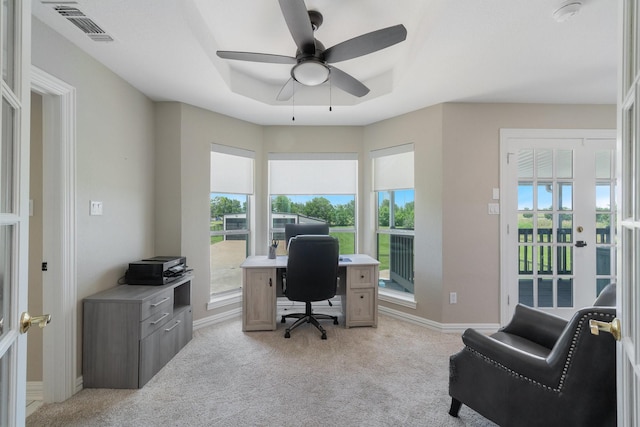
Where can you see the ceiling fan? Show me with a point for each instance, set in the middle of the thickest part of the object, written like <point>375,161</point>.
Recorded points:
<point>311,63</point>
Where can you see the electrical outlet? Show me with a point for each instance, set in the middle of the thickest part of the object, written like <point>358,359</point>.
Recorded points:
<point>453,298</point>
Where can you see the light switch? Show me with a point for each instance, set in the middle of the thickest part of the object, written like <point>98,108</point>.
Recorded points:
<point>494,209</point>
<point>496,194</point>
<point>96,208</point>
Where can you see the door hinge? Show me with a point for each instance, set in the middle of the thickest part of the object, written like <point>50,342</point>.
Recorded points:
<point>45,266</point>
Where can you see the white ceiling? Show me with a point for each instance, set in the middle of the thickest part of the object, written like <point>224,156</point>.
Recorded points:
<point>455,51</point>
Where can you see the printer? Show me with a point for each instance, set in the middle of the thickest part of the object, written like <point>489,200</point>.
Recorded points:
<point>159,270</point>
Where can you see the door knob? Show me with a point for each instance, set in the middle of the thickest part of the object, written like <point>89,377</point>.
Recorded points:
<point>613,328</point>
<point>26,321</point>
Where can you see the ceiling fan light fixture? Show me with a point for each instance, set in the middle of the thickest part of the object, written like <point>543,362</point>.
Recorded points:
<point>567,10</point>
<point>310,73</point>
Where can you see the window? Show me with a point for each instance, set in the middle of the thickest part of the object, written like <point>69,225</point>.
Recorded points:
<point>314,187</point>
<point>230,219</point>
<point>393,185</point>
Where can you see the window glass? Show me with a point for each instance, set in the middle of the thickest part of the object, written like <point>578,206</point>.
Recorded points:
<point>336,210</point>
<point>395,240</point>
<point>231,184</point>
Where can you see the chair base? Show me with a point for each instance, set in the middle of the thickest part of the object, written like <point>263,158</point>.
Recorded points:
<point>455,407</point>
<point>308,317</point>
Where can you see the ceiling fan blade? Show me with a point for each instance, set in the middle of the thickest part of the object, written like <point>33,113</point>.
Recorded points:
<point>287,90</point>
<point>297,18</point>
<point>366,43</point>
<point>347,82</point>
<point>256,57</point>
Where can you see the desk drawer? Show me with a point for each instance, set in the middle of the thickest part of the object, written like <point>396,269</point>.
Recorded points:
<point>361,277</point>
<point>160,303</point>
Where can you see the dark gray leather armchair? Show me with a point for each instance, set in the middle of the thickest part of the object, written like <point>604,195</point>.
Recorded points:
<point>540,370</point>
<point>312,275</point>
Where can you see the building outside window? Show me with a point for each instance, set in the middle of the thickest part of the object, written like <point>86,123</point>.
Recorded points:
<point>312,188</point>
<point>230,215</point>
<point>393,184</point>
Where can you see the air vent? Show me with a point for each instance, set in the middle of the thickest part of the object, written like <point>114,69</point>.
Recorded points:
<point>80,20</point>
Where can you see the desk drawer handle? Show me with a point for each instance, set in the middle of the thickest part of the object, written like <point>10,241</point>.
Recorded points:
<point>176,324</point>
<point>361,296</point>
<point>161,317</point>
<point>161,302</point>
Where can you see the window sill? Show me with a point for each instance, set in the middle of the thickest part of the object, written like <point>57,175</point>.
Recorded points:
<point>225,299</point>
<point>399,298</point>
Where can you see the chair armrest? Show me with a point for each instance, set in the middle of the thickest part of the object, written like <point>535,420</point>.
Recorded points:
<point>535,325</point>
<point>510,358</point>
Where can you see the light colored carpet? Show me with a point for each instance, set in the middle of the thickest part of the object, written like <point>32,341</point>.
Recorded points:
<point>393,375</point>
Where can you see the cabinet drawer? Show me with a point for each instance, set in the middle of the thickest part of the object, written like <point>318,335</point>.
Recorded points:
<point>155,321</point>
<point>162,302</point>
<point>362,307</point>
<point>361,277</point>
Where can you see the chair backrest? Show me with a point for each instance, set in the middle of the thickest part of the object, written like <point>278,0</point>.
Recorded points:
<point>312,268</point>
<point>293,230</point>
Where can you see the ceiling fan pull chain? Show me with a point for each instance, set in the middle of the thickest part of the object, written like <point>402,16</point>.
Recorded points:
<point>293,102</point>
<point>330,94</point>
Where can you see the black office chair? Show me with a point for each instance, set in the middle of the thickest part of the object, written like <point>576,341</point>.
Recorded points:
<point>312,275</point>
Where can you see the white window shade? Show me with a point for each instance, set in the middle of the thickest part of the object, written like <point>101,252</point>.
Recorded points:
<point>305,174</point>
<point>393,168</point>
<point>231,170</point>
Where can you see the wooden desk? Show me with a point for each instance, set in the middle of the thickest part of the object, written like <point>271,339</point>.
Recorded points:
<point>359,295</point>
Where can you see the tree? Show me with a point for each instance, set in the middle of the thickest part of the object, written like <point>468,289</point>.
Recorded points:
<point>281,204</point>
<point>345,214</point>
<point>221,205</point>
<point>321,208</point>
<point>383,213</point>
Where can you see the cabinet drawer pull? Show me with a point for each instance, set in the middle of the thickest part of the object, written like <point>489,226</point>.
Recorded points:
<point>161,317</point>
<point>176,324</point>
<point>161,302</point>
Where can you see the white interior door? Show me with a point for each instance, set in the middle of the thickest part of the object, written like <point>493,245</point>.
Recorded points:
<point>558,218</point>
<point>628,369</point>
<point>15,36</point>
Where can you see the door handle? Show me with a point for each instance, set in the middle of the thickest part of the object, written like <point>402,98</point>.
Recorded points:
<point>26,321</point>
<point>581,244</point>
<point>613,328</point>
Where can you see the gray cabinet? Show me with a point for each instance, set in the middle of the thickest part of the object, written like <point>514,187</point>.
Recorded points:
<point>131,331</point>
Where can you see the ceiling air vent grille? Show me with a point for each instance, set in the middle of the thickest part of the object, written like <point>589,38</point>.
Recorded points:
<point>80,20</point>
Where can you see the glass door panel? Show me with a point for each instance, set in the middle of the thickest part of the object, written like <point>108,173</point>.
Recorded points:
<point>564,257</point>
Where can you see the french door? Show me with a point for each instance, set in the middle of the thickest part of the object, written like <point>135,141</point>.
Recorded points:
<point>15,58</point>
<point>558,234</point>
<point>628,369</point>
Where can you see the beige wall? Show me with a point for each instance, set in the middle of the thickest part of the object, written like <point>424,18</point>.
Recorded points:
<point>115,159</point>
<point>471,168</point>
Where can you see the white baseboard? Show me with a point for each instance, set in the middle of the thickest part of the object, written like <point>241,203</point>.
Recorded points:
<point>449,328</point>
<point>35,391</point>
<point>217,318</point>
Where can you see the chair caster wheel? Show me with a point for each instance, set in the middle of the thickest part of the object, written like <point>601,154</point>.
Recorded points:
<point>287,334</point>
<point>324,336</point>
<point>335,321</point>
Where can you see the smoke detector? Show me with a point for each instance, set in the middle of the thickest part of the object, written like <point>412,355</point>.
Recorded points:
<point>567,10</point>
